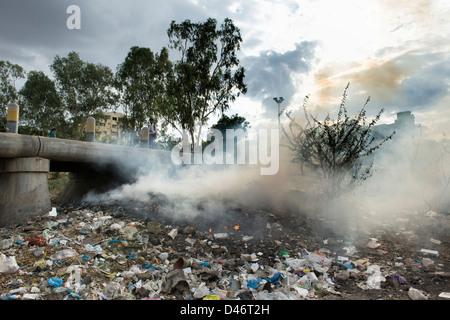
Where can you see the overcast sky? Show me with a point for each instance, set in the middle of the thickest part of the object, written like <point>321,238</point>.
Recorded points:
<point>396,52</point>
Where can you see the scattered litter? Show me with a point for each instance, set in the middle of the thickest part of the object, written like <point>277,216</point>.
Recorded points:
<point>173,233</point>
<point>433,252</point>
<point>350,250</point>
<point>36,241</point>
<point>55,282</point>
<point>398,278</point>
<point>374,277</point>
<point>416,294</point>
<point>283,252</point>
<point>8,264</point>
<point>6,243</point>
<point>427,262</point>
<point>53,212</point>
<point>221,235</point>
<point>93,255</point>
<point>373,243</point>
<point>64,254</point>
<point>435,241</point>
<point>444,295</point>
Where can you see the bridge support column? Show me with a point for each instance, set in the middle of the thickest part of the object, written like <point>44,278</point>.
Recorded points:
<point>24,189</point>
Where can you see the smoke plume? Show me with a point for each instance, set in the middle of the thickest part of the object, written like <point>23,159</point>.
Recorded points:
<point>410,177</point>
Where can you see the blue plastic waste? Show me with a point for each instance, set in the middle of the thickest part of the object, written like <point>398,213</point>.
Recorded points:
<point>253,284</point>
<point>55,282</point>
<point>146,265</point>
<point>276,278</point>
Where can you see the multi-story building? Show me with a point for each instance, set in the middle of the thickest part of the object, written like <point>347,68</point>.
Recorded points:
<point>109,127</point>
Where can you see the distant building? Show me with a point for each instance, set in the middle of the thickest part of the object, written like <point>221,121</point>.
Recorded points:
<point>109,127</point>
<point>404,124</point>
<point>405,120</point>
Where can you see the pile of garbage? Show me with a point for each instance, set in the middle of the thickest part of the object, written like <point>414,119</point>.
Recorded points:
<point>95,255</point>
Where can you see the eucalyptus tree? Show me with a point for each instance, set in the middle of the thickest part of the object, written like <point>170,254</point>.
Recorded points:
<point>85,89</point>
<point>141,82</point>
<point>206,78</point>
<point>41,106</point>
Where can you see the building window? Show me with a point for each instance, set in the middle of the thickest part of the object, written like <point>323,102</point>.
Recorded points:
<point>114,118</point>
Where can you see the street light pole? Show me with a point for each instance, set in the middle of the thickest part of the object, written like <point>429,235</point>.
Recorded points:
<point>278,101</point>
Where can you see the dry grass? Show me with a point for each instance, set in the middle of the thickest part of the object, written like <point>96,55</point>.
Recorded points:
<point>57,181</point>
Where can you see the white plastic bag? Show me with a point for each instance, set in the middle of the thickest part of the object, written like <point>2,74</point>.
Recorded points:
<point>374,277</point>
<point>8,265</point>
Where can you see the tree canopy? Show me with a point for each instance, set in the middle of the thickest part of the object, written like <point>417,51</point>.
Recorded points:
<point>207,76</point>
<point>85,89</point>
<point>141,80</point>
<point>42,109</point>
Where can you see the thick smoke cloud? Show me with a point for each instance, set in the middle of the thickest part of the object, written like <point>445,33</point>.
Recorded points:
<point>202,190</point>
<point>411,176</point>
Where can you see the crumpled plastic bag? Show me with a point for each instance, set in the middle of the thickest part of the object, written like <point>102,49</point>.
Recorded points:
<point>319,261</point>
<point>8,264</point>
<point>416,294</point>
<point>374,277</point>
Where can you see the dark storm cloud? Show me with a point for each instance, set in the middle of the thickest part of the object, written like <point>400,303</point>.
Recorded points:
<point>34,32</point>
<point>272,74</point>
<point>32,29</point>
<point>33,23</point>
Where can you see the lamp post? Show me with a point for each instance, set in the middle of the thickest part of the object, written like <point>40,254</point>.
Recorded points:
<point>278,101</point>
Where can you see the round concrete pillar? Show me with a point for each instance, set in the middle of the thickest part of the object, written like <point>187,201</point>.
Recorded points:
<point>24,189</point>
<point>12,118</point>
<point>145,137</point>
<point>90,129</point>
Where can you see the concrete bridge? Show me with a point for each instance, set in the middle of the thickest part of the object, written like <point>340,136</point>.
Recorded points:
<point>26,160</point>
